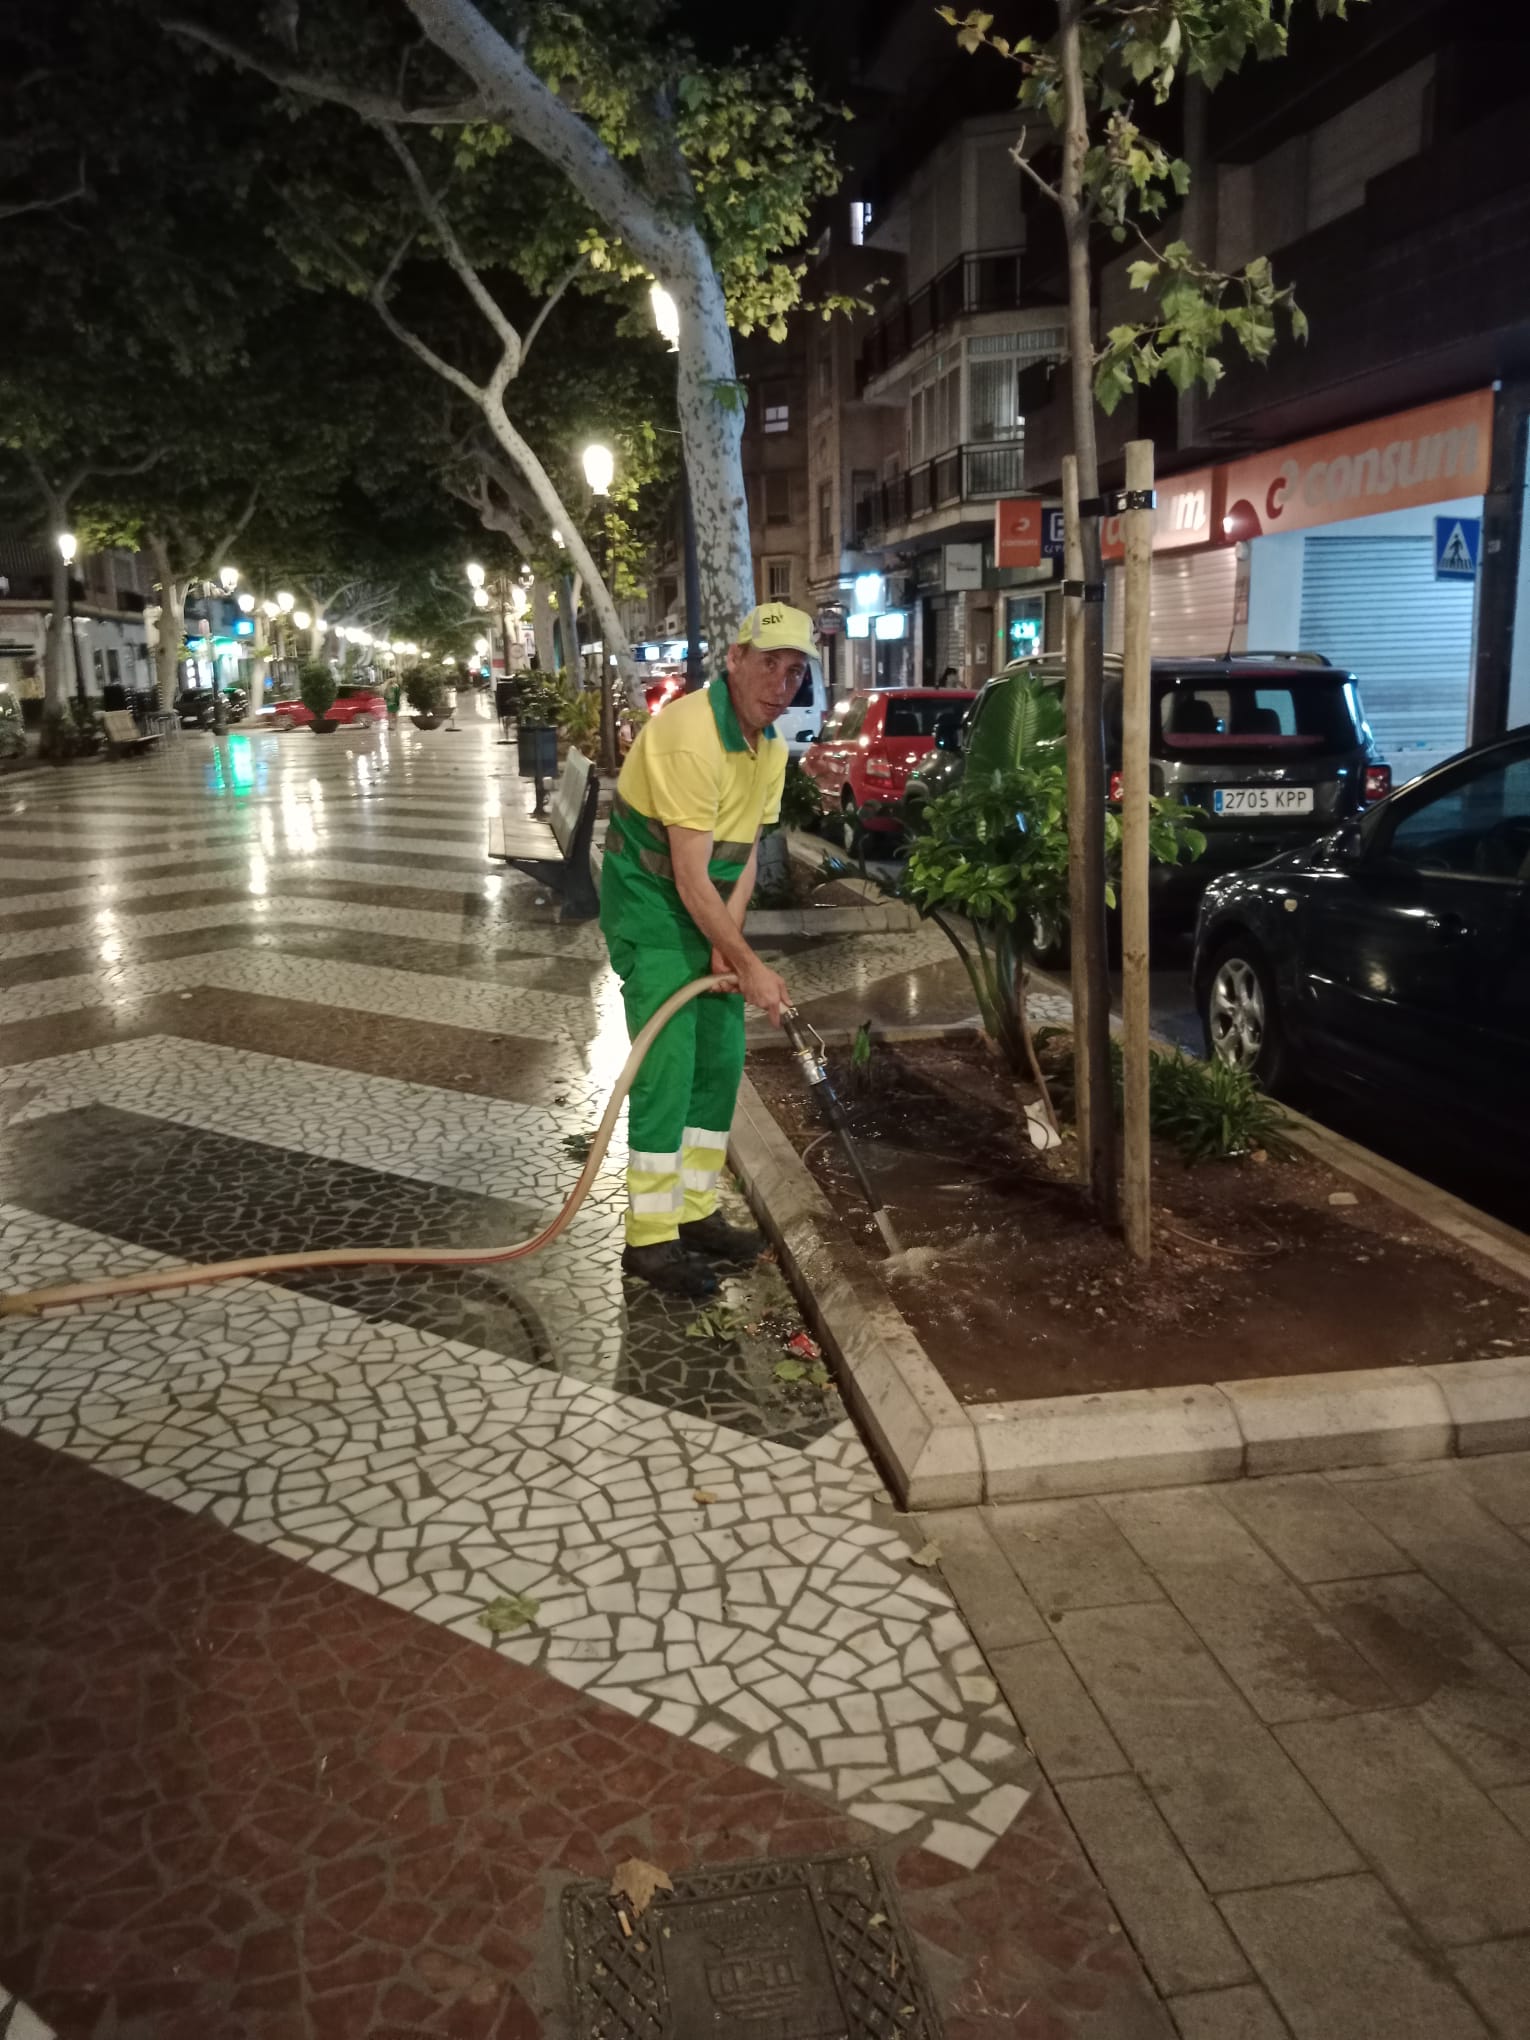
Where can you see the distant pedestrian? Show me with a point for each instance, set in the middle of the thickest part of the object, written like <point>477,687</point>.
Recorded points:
<point>947,678</point>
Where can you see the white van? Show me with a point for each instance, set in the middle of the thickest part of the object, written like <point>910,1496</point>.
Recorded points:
<point>804,719</point>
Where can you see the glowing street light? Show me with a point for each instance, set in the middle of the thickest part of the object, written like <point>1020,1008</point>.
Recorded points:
<point>228,578</point>
<point>666,315</point>
<point>269,609</point>
<point>599,467</point>
<point>475,573</point>
<point>480,645</point>
<point>480,598</point>
<point>246,601</point>
<point>557,538</point>
<point>302,619</point>
<point>68,547</point>
<point>284,601</point>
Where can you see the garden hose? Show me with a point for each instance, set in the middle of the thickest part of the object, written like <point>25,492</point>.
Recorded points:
<point>27,1302</point>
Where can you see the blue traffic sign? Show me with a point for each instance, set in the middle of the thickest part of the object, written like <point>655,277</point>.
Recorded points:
<point>1457,548</point>
<point>1051,534</point>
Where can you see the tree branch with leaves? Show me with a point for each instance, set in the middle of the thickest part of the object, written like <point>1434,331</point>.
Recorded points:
<point>1116,180</point>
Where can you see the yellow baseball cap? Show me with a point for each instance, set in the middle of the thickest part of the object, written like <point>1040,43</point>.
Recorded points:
<point>772,627</point>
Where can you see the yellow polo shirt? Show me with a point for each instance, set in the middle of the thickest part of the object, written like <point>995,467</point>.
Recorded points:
<point>692,769</point>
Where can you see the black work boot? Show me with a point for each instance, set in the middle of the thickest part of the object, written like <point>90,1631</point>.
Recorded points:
<point>714,1237</point>
<point>667,1266</point>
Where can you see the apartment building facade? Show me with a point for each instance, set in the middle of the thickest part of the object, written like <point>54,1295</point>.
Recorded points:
<point>1360,495</point>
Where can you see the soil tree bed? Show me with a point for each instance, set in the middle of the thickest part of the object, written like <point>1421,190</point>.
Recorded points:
<point>1015,1292</point>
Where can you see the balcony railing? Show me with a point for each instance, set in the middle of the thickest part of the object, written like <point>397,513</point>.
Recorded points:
<point>968,474</point>
<point>972,283</point>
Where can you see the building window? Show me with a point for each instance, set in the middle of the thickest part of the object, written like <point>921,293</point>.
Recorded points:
<point>778,499</point>
<point>778,418</point>
<point>113,668</point>
<point>825,517</point>
<point>778,580</point>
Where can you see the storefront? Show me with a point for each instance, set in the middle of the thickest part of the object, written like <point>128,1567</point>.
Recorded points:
<point>1199,580</point>
<point>1364,545</point>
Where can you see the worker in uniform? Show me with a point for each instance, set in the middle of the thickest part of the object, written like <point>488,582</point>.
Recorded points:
<point>700,784</point>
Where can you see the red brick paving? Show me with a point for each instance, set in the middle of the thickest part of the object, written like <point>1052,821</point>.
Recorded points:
<point>246,1803</point>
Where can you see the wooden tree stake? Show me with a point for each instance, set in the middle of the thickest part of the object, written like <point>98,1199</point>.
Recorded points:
<point>1136,711</point>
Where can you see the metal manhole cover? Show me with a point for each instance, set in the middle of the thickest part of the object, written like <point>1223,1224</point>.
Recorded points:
<point>799,1948</point>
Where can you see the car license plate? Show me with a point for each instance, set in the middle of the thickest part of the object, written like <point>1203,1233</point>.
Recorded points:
<point>1262,800</point>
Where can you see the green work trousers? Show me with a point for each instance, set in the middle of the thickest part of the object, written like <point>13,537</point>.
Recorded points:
<point>681,1104</point>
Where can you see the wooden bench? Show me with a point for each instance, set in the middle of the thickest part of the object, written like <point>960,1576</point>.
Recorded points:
<point>557,851</point>
<point>123,734</point>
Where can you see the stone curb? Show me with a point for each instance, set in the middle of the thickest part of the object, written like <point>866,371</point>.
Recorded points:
<point>940,1453</point>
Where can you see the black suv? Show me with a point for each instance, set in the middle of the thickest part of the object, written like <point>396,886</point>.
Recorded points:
<point>1274,747</point>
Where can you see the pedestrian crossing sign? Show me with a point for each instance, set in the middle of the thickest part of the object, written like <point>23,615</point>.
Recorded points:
<point>1457,545</point>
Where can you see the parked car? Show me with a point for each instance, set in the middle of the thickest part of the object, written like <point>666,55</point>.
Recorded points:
<point>358,706</point>
<point>866,749</point>
<point>1393,956</point>
<point>194,706</point>
<point>1273,747</point>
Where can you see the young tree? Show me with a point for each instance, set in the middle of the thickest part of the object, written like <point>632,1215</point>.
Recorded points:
<point>1114,178</point>
<point>694,172</point>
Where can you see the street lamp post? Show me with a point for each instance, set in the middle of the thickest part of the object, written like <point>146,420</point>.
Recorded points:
<point>68,546</point>
<point>666,315</point>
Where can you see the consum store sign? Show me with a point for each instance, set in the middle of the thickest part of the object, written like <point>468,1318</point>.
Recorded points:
<point>1425,456</point>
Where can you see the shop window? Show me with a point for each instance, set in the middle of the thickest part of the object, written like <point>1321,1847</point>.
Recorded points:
<point>778,580</point>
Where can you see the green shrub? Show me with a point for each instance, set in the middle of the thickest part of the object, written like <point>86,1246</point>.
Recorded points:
<point>423,685</point>
<point>1208,1109</point>
<point>800,801</point>
<point>579,715</point>
<point>316,688</point>
<point>1205,1110</point>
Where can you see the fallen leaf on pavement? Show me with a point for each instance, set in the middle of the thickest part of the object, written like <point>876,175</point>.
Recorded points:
<point>926,1556</point>
<point>509,1613</point>
<point>703,1495</point>
<point>637,1881</point>
<point>789,1370</point>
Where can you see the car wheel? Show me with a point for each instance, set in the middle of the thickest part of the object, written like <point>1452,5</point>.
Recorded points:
<point>1051,941</point>
<point>283,724</point>
<point>1240,1011</point>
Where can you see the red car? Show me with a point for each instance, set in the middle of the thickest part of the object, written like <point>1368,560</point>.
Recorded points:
<point>871,742</point>
<point>359,708</point>
<point>660,688</point>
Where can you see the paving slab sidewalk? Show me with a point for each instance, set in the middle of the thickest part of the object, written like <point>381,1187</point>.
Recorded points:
<point>1289,1720</point>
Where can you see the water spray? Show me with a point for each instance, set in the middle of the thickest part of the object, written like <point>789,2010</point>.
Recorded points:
<point>808,1051</point>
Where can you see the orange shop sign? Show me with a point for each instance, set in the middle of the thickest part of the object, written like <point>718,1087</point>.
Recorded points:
<point>1423,456</point>
<point>1186,515</point>
<point>1017,531</point>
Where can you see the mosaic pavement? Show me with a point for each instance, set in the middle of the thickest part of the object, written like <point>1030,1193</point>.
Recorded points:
<point>436,1441</point>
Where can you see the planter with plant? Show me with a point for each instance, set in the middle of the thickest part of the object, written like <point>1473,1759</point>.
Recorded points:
<point>317,689</point>
<point>423,689</point>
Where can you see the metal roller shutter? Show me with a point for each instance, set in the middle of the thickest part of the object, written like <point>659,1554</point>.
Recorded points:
<point>1374,606</point>
<point>1193,602</point>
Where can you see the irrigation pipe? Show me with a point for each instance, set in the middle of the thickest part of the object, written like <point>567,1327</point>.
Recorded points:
<point>28,1302</point>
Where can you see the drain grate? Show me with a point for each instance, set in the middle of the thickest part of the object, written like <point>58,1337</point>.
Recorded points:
<point>796,1948</point>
